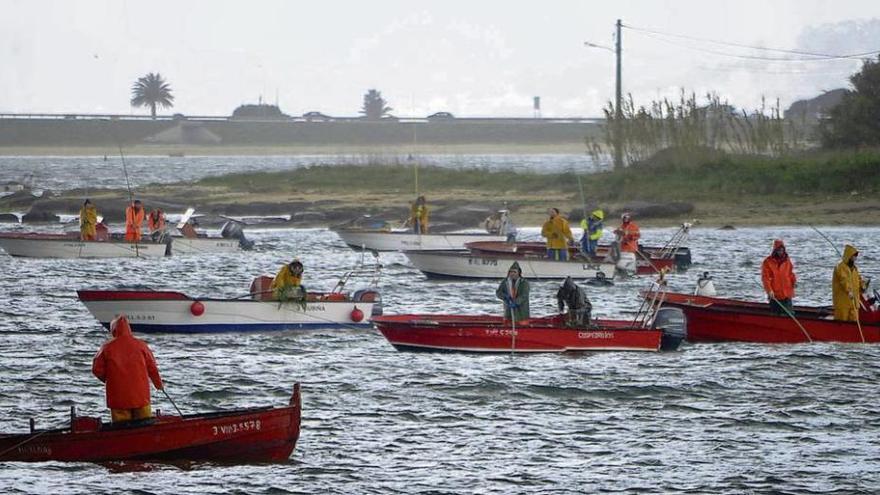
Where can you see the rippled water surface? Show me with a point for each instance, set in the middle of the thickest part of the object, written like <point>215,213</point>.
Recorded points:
<point>705,419</point>
<point>61,173</point>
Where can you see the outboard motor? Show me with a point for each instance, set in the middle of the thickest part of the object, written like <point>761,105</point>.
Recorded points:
<point>369,295</point>
<point>235,230</point>
<point>674,325</point>
<point>705,286</point>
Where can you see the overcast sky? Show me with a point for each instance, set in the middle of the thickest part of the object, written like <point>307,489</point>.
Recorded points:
<point>471,58</point>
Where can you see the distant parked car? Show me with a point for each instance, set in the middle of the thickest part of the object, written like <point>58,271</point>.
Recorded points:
<point>441,116</point>
<point>316,116</point>
<point>178,116</point>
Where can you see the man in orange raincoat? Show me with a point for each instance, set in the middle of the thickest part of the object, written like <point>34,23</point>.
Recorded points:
<point>127,366</point>
<point>628,234</point>
<point>134,221</point>
<point>777,275</point>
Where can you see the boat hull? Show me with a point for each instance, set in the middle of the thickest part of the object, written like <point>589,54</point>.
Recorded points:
<point>173,312</point>
<point>403,241</point>
<point>61,246</point>
<point>724,320</point>
<point>462,264</point>
<point>491,334</point>
<point>250,435</point>
<point>184,246</point>
<point>645,264</point>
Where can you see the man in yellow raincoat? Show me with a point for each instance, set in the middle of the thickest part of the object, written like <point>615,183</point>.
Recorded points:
<point>287,285</point>
<point>558,235</point>
<point>88,221</point>
<point>847,286</point>
<point>418,216</point>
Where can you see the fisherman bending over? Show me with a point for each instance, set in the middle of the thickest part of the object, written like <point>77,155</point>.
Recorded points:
<point>287,285</point>
<point>579,305</point>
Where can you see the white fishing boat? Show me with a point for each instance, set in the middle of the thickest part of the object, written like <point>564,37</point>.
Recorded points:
<point>175,312</point>
<point>468,264</point>
<point>38,245</point>
<point>151,311</point>
<point>407,240</point>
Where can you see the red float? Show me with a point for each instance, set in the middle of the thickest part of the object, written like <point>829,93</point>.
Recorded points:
<point>197,308</point>
<point>357,315</point>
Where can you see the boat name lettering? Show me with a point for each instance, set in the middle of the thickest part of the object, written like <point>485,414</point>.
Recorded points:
<point>240,427</point>
<point>595,335</point>
<point>590,267</point>
<point>35,449</point>
<point>481,261</point>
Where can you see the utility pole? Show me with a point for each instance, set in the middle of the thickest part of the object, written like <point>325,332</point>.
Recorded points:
<point>618,110</point>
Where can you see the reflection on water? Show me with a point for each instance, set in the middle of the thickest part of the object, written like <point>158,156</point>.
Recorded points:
<point>706,419</point>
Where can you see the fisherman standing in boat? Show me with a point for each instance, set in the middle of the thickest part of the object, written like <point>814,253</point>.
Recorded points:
<point>418,218</point>
<point>499,223</point>
<point>134,221</point>
<point>628,234</point>
<point>592,232</point>
<point>88,221</point>
<point>777,275</point>
<point>287,285</point>
<point>127,366</point>
<point>514,291</point>
<point>156,223</point>
<point>558,235</point>
<point>847,286</point>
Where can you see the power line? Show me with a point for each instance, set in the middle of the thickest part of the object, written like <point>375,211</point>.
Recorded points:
<point>658,35</point>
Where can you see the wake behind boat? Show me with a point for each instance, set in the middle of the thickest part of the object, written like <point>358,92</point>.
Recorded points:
<point>262,434</point>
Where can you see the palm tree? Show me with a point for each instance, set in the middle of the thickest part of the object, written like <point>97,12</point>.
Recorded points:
<point>374,105</point>
<point>151,90</point>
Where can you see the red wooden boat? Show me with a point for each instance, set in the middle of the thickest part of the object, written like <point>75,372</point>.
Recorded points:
<point>484,333</point>
<point>648,261</point>
<point>713,319</point>
<point>248,435</point>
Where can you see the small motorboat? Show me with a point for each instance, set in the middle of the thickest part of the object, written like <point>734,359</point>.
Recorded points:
<point>715,319</point>
<point>494,264</point>
<point>69,245</point>
<point>639,263</point>
<point>487,334</point>
<point>261,434</point>
<point>152,311</point>
<point>406,240</point>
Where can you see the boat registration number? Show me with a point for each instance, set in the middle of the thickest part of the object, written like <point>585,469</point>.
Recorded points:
<point>590,267</point>
<point>240,427</point>
<point>481,261</point>
<point>595,335</point>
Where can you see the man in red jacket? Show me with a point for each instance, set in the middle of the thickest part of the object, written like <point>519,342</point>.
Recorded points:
<point>777,274</point>
<point>127,366</point>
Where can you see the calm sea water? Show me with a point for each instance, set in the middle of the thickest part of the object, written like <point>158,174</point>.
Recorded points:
<point>62,173</point>
<point>724,418</point>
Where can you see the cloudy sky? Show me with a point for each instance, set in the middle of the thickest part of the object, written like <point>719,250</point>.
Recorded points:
<point>472,58</point>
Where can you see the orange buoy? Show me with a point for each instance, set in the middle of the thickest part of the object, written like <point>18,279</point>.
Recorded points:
<point>357,315</point>
<point>197,308</point>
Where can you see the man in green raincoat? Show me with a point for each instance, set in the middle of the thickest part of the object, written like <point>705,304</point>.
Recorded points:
<point>514,291</point>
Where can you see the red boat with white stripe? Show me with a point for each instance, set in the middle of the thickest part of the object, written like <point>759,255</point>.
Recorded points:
<point>714,319</point>
<point>486,334</point>
<point>263,434</point>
